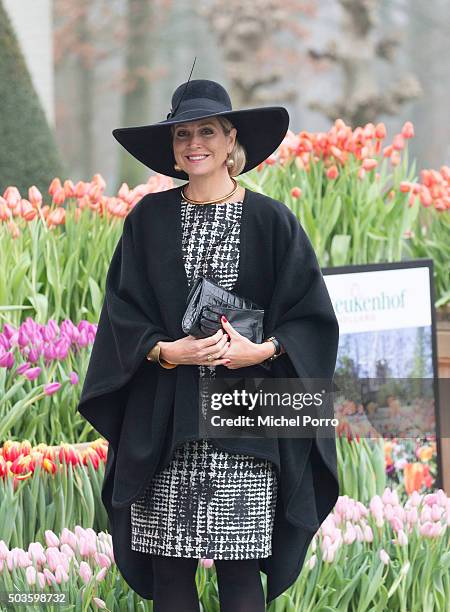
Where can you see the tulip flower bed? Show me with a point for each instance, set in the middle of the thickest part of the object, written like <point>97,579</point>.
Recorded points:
<point>383,556</point>
<point>47,487</point>
<point>359,199</point>
<point>38,371</point>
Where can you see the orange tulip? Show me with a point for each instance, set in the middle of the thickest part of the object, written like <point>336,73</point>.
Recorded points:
<point>395,158</point>
<point>12,196</point>
<point>369,164</point>
<point>35,196</point>
<point>28,211</point>
<point>13,229</point>
<point>69,189</point>
<point>5,211</point>
<point>55,185</point>
<point>380,131</point>
<point>399,142</point>
<point>405,186</point>
<point>99,180</point>
<point>408,130</point>
<point>332,172</point>
<point>413,477</point>
<point>59,196</point>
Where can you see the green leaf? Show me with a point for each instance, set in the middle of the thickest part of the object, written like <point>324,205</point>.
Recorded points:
<point>96,294</point>
<point>340,246</point>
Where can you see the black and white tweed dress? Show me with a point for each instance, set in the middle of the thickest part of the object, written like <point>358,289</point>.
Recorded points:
<point>208,503</point>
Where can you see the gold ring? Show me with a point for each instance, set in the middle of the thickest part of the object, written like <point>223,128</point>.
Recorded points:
<point>210,357</point>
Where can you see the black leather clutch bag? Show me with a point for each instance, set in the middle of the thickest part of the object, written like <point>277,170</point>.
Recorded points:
<point>207,301</point>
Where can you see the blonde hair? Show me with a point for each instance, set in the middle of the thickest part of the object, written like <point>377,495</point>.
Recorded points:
<point>237,154</point>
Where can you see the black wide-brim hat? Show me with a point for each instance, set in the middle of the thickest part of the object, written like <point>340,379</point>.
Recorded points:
<point>259,130</point>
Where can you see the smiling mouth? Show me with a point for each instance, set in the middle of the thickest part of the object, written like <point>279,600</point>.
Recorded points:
<point>189,158</point>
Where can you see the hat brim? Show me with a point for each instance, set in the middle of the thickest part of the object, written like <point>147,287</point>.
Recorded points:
<point>260,131</point>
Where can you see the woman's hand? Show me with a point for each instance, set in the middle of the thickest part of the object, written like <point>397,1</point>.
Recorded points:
<point>194,351</point>
<point>243,352</point>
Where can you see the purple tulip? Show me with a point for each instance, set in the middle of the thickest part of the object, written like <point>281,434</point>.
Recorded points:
<point>52,388</point>
<point>7,360</point>
<point>33,373</point>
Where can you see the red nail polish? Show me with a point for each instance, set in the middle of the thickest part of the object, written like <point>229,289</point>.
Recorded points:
<point>224,319</point>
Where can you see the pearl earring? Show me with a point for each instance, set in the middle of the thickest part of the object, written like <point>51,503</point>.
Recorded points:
<point>177,167</point>
<point>230,162</point>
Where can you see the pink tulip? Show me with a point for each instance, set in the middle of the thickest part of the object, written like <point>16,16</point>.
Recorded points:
<point>41,578</point>
<point>376,508</point>
<point>390,497</point>
<point>311,562</point>
<point>359,533</point>
<point>67,551</point>
<point>85,572</point>
<point>396,523</point>
<point>99,602</point>
<point>207,563</point>
<point>384,556</point>
<point>430,499</point>
<point>426,529</point>
<point>30,575</point>
<point>36,552</point>
<point>437,529</point>
<point>3,550</point>
<point>101,574</point>
<point>425,514</point>
<point>102,560</point>
<point>436,512</point>
<point>61,574</point>
<point>330,552</point>
<point>368,533</point>
<point>402,538</point>
<point>69,538</point>
<point>52,555</point>
<point>350,533</point>
<point>50,577</point>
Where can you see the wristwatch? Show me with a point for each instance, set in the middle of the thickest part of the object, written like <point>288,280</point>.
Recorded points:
<point>277,345</point>
<point>154,355</point>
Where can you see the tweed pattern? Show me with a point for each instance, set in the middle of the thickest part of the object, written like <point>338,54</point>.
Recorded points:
<point>208,503</point>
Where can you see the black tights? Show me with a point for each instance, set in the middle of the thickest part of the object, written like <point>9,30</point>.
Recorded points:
<point>239,582</point>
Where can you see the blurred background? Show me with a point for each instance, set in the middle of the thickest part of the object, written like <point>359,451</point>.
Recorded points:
<point>72,70</point>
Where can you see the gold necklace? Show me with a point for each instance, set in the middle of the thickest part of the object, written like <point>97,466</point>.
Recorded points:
<point>236,187</point>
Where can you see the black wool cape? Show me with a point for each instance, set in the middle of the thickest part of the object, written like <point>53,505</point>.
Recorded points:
<point>144,410</point>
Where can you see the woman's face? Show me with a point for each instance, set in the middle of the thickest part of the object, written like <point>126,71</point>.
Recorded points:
<point>202,137</point>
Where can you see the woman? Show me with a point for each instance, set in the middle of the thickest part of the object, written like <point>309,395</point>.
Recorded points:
<point>251,504</point>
